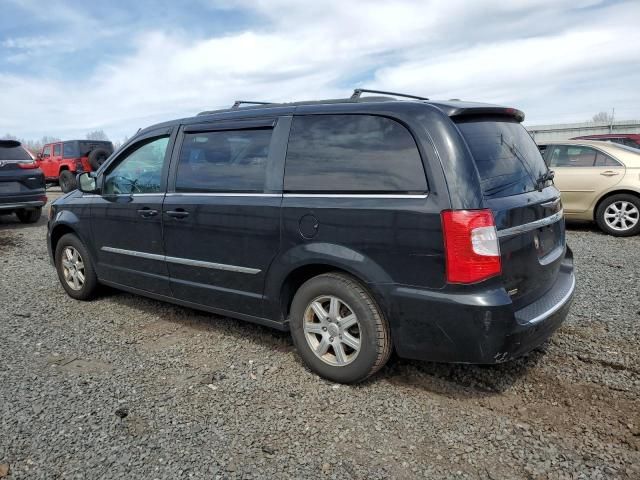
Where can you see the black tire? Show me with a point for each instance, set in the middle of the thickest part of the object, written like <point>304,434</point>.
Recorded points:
<point>67,181</point>
<point>29,215</point>
<point>618,200</point>
<point>97,157</point>
<point>372,328</point>
<point>89,287</point>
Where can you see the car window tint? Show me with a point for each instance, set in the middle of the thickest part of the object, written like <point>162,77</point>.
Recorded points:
<point>70,150</point>
<point>13,152</point>
<point>604,160</point>
<point>572,156</point>
<point>139,171</point>
<point>507,158</point>
<point>46,152</point>
<point>352,153</point>
<point>56,150</point>
<point>224,161</point>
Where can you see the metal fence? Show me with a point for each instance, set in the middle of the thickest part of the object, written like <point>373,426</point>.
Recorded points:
<point>549,133</point>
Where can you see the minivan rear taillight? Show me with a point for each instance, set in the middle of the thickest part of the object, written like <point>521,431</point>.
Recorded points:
<point>471,245</point>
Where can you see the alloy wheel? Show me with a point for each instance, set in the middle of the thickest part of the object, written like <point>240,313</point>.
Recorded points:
<point>332,330</point>
<point>73,268</point>
<point>621,216</point>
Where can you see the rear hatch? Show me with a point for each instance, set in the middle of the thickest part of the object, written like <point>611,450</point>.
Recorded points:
<point>526,206</point>
<point>18,173</point>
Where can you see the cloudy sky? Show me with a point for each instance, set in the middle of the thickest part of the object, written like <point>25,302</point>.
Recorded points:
<point>71,66</point>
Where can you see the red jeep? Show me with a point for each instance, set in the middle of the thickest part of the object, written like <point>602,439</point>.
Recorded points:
<point>61,161</point>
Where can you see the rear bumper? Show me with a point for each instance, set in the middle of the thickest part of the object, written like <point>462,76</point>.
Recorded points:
<point>23,201</point>
<point>480,327</point>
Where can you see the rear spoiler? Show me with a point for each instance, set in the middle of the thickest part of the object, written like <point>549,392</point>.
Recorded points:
<point>486,111</point>
<point>9,143</point>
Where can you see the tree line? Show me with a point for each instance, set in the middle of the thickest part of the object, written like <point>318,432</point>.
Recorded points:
<point>36,145</point>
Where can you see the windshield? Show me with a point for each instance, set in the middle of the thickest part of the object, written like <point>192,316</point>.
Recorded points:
<point>507,158</point>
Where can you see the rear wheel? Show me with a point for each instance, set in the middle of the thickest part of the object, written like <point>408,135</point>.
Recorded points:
<point>75,268</point>
<point>30,215</point>
<point>67,181</point>
<point>338,328</point>
<point>619,215</point>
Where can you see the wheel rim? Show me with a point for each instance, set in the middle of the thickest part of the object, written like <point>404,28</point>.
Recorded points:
<point>621,215</point>
<point>72,268</point>
<point>332,330</point>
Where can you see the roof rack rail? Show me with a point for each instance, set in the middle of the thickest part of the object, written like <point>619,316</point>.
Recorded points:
<point>359,91</point>
<point>237,103</point>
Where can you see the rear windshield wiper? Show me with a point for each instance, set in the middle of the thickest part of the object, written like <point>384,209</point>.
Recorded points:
<point>544,178</point>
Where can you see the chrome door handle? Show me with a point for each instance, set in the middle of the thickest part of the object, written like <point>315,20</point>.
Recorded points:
<point>147,212</point>
<point>609,173</point>
<point>180,213</point>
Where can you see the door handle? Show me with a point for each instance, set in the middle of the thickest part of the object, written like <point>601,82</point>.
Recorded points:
<point>609,173</point>
<point>178,213</point>
<point>146,212</point>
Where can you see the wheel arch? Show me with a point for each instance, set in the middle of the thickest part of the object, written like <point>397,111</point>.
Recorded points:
<point>285,278</point>
<point>58,231</point>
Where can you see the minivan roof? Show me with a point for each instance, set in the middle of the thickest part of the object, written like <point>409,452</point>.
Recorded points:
<point>451,108</point>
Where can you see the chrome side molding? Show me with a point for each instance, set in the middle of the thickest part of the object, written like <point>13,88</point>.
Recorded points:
<point>182,261</point>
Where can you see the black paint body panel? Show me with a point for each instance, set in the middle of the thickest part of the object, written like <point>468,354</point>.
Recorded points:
<point>393,245</point>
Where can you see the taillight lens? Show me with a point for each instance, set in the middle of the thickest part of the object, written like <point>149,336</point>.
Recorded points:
<point>471,245</point>
<point>27,165</point>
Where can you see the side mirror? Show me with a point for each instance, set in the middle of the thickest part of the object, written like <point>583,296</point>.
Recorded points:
<point>87,182</point>
<point>39,156</point>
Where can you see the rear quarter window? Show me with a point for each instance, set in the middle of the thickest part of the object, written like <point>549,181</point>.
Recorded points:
<point>352,153</point>
<point>508,160</point>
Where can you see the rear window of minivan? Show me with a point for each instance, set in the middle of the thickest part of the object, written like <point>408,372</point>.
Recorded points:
<point>507,158</point>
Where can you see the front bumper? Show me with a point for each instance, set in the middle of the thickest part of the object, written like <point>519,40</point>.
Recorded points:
<point>479,327</point>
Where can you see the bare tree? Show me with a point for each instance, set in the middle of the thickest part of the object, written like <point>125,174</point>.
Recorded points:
<point>8,136</point>
<point>603,117</point>
<point>97,135</point>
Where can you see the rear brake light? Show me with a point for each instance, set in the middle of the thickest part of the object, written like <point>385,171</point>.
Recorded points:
<point>27,165</point>
<point>471,245</point>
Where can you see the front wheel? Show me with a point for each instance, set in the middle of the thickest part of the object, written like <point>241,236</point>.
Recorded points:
<point>67,181</point>
<point>31,215</point>
<point>338,329</point>
<point>75,268</point>
<point>619,215</point>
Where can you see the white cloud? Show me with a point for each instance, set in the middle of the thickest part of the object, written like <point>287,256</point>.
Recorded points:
<point>559,61</point>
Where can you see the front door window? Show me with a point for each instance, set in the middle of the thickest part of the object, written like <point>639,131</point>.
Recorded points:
<point>140,171</point>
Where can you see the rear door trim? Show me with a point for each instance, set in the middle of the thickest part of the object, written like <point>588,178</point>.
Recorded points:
<point>543,222</point>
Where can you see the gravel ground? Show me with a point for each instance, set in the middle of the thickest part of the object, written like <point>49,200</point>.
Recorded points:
<point>126,387</point>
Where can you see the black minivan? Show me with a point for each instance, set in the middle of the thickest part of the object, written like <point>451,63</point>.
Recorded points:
<point>362,225</point>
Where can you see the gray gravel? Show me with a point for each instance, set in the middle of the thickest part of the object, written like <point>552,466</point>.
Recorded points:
<point>126,387</point>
